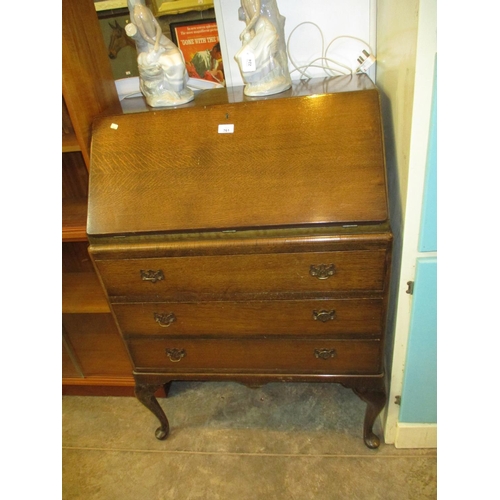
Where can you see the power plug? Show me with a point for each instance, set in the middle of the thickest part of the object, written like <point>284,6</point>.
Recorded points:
<point>365,61</point>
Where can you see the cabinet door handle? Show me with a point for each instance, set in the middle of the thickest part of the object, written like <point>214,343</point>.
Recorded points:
<point>152,276</point>
<point>324,353</point>
<point>324,315</point>
<point>322,271</point>
<point>175,355</point>
<point>165,319</point>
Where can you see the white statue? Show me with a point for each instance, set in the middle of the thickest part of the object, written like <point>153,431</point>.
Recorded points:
<point>262,58</point>
<point>162,70</point>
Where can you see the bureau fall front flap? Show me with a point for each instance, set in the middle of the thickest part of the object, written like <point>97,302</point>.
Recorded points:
<point>272,162</point>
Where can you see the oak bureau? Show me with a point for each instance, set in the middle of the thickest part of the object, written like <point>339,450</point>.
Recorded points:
<point>247,239</point>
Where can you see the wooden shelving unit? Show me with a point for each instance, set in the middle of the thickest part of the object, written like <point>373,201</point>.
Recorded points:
<point>74,217</point>
<point>94,360</point>
<point>82,293</point>
<point>70,143</point>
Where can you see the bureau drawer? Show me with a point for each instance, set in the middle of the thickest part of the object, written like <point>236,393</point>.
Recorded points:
<point>278,317</point>
<point>266,355</point>
<point>227,275</point>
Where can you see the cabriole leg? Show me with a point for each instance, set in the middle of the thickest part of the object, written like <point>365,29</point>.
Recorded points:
<point>145,394</point>
<point>375,401</point>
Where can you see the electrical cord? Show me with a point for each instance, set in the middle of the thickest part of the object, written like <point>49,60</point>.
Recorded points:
<point>365,60</point>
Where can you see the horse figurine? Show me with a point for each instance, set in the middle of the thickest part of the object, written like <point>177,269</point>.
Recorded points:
<point>118,40</point>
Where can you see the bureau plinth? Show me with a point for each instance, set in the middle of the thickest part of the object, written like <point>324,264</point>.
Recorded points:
<point>255,256</point>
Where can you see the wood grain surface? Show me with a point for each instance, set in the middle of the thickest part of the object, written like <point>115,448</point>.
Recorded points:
<point>307,160</point>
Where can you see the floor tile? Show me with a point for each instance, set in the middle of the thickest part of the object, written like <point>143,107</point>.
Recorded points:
<point>124,475</point>
<point>225,417</point>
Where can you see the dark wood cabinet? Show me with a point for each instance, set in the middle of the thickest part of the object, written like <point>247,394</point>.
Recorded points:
<point>258,255</point>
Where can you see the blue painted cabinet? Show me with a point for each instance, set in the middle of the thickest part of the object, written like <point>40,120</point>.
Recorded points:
<point>419,392</point>
<point>428,227</point>
<point>419,396</point>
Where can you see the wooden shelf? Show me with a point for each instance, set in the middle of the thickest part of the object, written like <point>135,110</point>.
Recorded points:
<point>70,143</point>
<point>82,293</point>
<point>102,386</point>
<point>74,219</point>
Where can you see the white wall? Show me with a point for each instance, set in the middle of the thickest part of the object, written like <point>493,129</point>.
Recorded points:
<point>406,35</point>
<point>355,18</point>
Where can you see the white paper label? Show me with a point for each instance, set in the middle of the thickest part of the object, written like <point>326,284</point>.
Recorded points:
<point>227,128</point>
<point>248,61</point>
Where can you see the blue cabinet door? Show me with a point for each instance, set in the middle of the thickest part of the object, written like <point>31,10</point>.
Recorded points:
<point>419,395</point>
<point>428,224</point>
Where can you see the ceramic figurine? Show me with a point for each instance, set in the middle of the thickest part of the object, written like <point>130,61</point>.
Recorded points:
<point>162,70</point>
<point>262,58</point>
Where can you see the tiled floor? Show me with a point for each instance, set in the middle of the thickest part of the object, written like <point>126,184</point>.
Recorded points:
<point>227,441</point>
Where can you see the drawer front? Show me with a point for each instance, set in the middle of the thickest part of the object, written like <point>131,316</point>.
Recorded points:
<point>227,275</point>
<point>278,317</point>
<point>267,355</point>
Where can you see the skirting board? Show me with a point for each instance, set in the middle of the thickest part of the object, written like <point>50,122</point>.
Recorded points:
<point>416,435</point>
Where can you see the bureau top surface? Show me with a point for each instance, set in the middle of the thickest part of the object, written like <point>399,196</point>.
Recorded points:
<point>310,156</point>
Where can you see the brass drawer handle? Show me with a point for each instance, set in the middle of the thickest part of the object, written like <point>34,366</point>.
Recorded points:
<point>175,355</point>
<point>322,271</point>
<point>324,353</point>
<point>152,276</point>
<point>324,315</point>
<point>165,319</point>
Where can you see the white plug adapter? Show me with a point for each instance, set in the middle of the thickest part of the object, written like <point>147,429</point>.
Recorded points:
<point>365,61</point>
